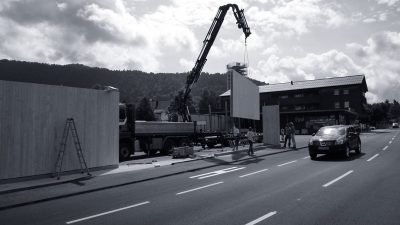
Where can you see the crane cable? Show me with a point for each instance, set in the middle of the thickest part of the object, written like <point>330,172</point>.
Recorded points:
<point>246,56</point>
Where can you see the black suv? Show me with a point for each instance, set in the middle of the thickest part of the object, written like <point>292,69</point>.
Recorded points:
<point>334,139</point>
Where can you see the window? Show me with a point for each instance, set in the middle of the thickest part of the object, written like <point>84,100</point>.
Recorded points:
<point>347,104</point>
<point>346,91</point>
<point>284,97</point>
<point>285,108</point>
<point>299,107</point>
<point>336,92</point>
<point>337,105</point>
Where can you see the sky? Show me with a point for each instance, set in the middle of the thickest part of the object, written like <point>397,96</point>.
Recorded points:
<point>291,39</point>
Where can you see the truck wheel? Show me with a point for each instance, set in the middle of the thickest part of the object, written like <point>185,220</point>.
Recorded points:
<point>225,143</point>
<point>125,150</point>
<point>184,142</point>
<point>168,147</point>
<point>210,144</point>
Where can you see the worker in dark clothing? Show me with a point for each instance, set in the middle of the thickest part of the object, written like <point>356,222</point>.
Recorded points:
<point>288,133</point>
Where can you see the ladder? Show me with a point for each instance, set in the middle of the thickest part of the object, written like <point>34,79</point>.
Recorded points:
<point>70,125</point>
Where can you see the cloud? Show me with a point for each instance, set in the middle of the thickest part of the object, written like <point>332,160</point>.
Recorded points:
<point>273,50</point>
<point>187,64</point>
<point>97,33</point>
<point>290,18</point>
<point>312,66</point>
<point>380,57</point>
<point>387,2</point>
<point>369,20</point>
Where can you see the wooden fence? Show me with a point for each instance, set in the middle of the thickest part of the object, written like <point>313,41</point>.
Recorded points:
<point>32,119</point>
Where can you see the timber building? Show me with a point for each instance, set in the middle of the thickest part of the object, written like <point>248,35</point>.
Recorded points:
<point>311,104</point>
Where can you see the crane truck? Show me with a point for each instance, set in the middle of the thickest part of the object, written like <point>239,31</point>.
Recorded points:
<point>163,136</point>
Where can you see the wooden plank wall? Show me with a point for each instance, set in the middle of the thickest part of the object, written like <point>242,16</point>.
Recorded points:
<point>271,125</point>
<point>32,119</point>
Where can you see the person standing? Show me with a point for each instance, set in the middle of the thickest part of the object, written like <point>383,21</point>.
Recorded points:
<point>250,137</point>
<point>236,136</point>
<point>293,133</point>
<point>287,135</point>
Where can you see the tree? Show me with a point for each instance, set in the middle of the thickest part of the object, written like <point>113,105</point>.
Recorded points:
<point>144,111</point>
<point>394,110</point>
<point>208,98</point>
<point>178,106</point>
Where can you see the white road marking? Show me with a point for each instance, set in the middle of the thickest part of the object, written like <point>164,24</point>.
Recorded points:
<point>204,174</point>
<point>385,148</point>
<point>249,174</point>
<point>335,180</point>
<point>218,172</point>
<point>288,163</point>
<point>307,157</point>
<point>195,189</point>
<point>390,142</point>
<point>108,212</point>
<point>373,157</point>
<point>266,216</point>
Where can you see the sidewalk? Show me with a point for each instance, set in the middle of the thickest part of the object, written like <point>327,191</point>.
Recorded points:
<point>39,190</point>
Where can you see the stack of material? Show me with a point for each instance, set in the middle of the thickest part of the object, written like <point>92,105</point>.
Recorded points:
<point>184,151</point>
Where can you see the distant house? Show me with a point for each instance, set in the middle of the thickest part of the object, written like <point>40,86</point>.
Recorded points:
<point>161,110</point>
<point>311,104</point>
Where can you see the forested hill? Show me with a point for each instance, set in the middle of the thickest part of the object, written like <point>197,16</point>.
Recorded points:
<point>133,85</point>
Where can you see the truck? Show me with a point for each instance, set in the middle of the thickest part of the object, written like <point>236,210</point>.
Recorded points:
<point>159,136</point>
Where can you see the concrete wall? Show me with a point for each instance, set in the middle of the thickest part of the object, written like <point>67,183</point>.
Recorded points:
<point>32,119</point>
<point>271,125</point>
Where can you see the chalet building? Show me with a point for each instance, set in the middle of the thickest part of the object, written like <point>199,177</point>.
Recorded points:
<point>311,104</point>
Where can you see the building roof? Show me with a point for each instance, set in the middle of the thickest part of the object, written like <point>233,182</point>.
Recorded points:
<point>309,84</point>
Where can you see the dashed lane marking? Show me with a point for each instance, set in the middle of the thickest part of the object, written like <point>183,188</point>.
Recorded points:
<point>249,174</point>
<point>385,148</point>
<point>266,216</point>
<point>218,172</point>
<point>373,157</point>
<point>284,164</point>
<point>337,179</point>
<point>108,212</point>
<point>307,157</point>
<point>199,188</point>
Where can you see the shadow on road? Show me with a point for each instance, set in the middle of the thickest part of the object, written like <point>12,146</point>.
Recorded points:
<point>339,158</point>
<point>252,160</point>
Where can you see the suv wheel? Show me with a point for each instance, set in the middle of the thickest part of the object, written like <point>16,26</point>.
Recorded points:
<point>346,152</point>
<point>313,155</point>
<point>358,149</point>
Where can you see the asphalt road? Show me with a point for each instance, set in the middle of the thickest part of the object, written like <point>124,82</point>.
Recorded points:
<point>286,188</point>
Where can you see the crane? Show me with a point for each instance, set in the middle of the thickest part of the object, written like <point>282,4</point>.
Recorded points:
<point>207,43</point>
